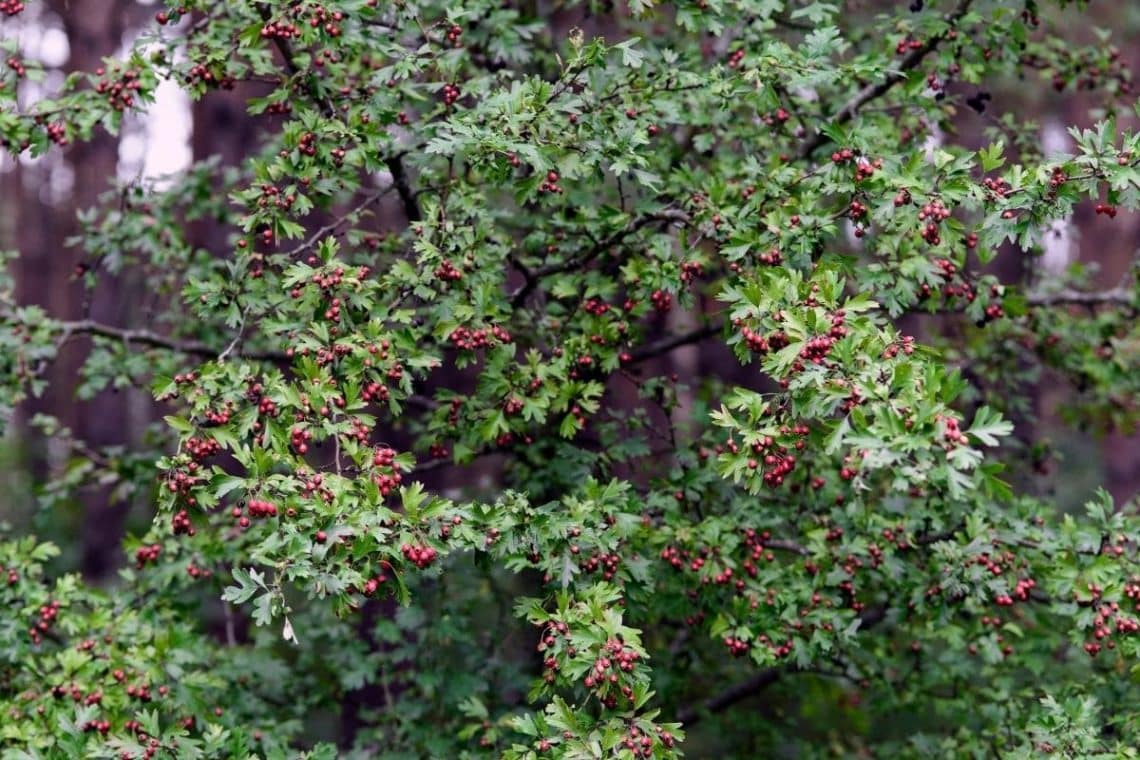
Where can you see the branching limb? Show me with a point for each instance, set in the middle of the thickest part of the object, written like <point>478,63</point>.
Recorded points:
<point>876,90</point>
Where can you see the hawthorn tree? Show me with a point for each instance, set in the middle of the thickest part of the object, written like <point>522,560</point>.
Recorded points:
<point>438,475</point>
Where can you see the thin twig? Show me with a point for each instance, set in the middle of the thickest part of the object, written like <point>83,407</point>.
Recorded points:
<point>665,215</point>
<point>150,339</point>
<point>762,680</point>
<point>873,91</point>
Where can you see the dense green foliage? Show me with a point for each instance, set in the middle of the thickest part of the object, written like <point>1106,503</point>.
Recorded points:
<point>831,513</point>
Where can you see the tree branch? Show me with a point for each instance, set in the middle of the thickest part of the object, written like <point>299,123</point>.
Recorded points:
<point>399,174</point>
<point>730,696</point>
<point>762,680</point>
<point>152,340</point>
<point>665,345</point>
<point>1117,296</point>
<point>873,91</point>
<point>665,215</point>
<point>394,163</point>
<point>336,223</point>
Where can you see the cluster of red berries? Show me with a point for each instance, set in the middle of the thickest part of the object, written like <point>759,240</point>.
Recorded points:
<point>454,33</point>
<point>643,744</point>
<point>1057,178</point>
<point>1110,612</point>
<point>999,187</point>
<point>16,66</point>
<point>57,133</point>
<point>447,272</point>
<point>690,271</point>
<point>994,310</point>
<point>1085,73</point>
<point>271,195</point>
<point>280,30</point>
<point>47,616</point>
<point>993,563</point>
<point>140,692</point>
<point>951,431</point>
<point>196,571</point>
<point>199,74</point>
<point>778,117</point>
<point>756,342</point>
<point>679,558</point>
<point>550,184</point>
<point>445,529</point>
<point>375,391</point>
<point>329,355</point>
<point>299,440</point>
<point>11,7</point>
<point>203,448</point>
<point>215,419</point>
<point>865,169</point>
<point>320,17</point>
<point>265,405</point>
<point>662,300</point>
<point>451,93</point>
<point>181,482</point>
<point>60,691</point>
<point>933,214</point>
<point>549,640</point>
<point>907,44</point>
<point>846,472</point>
<point>329,280</point>
<point>314,485</point>
<point>258,508</point>
<point>180,523</point>
<point>906,345</point>
<point>735,58</point>
<point>102,726</point>
<point>332,313</point>
<point>816,350</point>
<point>595,306</point>
<point>145,554</point>
<point>736,647</point>
<point>614,659</point>
<point>152,747</point>
<point>120,91</point>
<point>771,258</point>
<point>1020,593</point>
<point>954,287</point>
<point>607,562</point>
<point>307,144</point>
<point>1105,209</point>
<point>359,429</point>
<point>420,556</point>
<point>777,462</point>
<point>842,156</point>
<point>453,411</point>
<point>373,584</point>
<point>389,481</point>
<point>755,549</point>
<point>468,339</point>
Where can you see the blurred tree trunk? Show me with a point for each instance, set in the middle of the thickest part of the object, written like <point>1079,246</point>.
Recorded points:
<point>95,30</point>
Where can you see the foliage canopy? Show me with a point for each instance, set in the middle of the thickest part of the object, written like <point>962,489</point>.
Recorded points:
<point>446,358</point>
